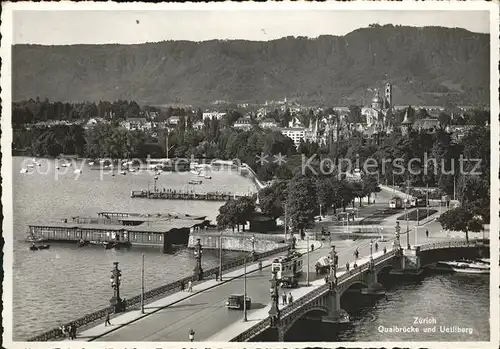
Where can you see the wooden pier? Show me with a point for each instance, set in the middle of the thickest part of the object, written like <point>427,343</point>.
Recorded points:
<point>158,230</point>
<point>170,194</point>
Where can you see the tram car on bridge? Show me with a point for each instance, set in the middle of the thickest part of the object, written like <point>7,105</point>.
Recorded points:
<point>396,202</point>
<point>288,269</point>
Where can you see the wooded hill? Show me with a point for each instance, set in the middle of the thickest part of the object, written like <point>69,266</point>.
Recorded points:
<point>431,66</point>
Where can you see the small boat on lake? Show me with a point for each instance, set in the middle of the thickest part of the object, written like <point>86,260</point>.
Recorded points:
<point>82,243</point>
<point>463,266</point>
<point>39,247</point>
<point>33,239</point>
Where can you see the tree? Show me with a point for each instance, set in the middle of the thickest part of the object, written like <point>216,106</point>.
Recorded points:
<point>444,119</point>
<point>461,219</point>
<point>302,202</point>
<point>272,199</point>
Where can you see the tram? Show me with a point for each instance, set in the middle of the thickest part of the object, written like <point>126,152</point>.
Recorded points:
<point>288,269</point>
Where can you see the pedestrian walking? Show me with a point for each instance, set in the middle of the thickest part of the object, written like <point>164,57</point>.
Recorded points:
<point>317,269</point>
<point>191,335</point>
<point>107,322</point>
<point>70,331</point>
<point>290,298</point>
<point>190,286</point>
<point>376,247</point>
<point>217,275</point>
<point>347,266</point>
<point>312,247</point>
<point>183,286</point>
<point>356,253</point>
<point>260,265</point>
<point>427,233</point>
<point>354,266</point>
<point>283,298</point>
<point>74,331</point>
<point>385,250</point>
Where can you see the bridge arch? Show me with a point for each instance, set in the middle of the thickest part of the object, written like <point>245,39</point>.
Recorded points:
<point>300,314</point>
<point>355,285</point>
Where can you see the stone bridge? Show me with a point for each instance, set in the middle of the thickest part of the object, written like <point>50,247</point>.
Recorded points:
<point>326,299</point>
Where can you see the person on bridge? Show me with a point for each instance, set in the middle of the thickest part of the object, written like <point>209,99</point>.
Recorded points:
<point>107,322</point>
<point>427,233</point>
<point>347,266</point>
<point>183,286</point>
<point>190,286</point>
<point>283,298</point>
<point>191,335</point>
<point>260,265</point>
<point>376,247</point>
<point>354,266</point>
<point>217,275</point>
<point>290,298</point>
<point>385,250</point>
<point>356,253</point>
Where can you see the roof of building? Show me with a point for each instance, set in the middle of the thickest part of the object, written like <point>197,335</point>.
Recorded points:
<point>426,123</point>
<point>150,227</point>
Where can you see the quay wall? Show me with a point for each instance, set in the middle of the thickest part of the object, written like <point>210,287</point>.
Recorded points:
<point>235,241</point>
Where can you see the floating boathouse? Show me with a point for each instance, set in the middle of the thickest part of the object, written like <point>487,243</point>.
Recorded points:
<point>158,230</point>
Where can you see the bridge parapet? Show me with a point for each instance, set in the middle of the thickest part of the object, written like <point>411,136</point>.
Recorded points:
<point>316,299</point>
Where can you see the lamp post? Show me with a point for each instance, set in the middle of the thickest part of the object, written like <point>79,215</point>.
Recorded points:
<point>371,250</point>
<point>142,285</point>
<point>115,280</point>
<point>253,247</point>
<point>220,256</point>
<point>406,213</point>
<point>398,230</point>
<point>307,270</point>
<point>286,224</point>
<point>334,260</point>
<point>198,252</point>
<point>245,291</point>
<point>274,312</point>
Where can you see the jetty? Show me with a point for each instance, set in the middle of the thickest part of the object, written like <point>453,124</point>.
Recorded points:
<point>172,194</point>
<point>156,230</point>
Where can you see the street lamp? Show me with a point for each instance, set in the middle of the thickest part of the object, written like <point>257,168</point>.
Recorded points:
<point>274,312</point>
<point>398,231</point>
<point>334,260</point>
<point>253,247</point>
<point>220,256</point>
<point>245,291</point>
<point>371,250</point>
<point>308,249</point>
<point>198,252</point>
<point>115,280</point>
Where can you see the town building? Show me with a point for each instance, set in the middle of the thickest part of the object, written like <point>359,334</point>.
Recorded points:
<point>134,124</point>
<point>297,134</point>
<point>243,123</point>
<point>213,115</point>
<point>268,123</point>
<point>174,120</point>
<point>380,111</point>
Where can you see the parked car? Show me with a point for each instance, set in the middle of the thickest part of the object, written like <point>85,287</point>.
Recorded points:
<point>235,301</point>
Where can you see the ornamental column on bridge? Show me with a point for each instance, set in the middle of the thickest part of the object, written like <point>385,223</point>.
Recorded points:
<point>409,262</point>
<point>336,314</point>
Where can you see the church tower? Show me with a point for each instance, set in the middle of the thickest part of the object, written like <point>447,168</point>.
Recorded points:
<point>388,95</point>
<point>406,124</point>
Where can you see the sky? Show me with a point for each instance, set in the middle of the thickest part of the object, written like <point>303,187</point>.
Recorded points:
<point>132,26</point>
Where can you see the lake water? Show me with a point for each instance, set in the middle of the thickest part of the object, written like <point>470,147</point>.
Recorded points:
<point>66,282</point>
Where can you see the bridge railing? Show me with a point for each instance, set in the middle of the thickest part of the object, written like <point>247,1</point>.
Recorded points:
<point>452,244</point>
<point>159,291</point>
<point>309,297</point>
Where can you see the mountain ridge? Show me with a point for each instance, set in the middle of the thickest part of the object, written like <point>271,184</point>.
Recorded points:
<point>329,69</point>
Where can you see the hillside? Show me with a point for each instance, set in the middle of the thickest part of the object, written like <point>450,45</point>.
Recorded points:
<point>431,65</point>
